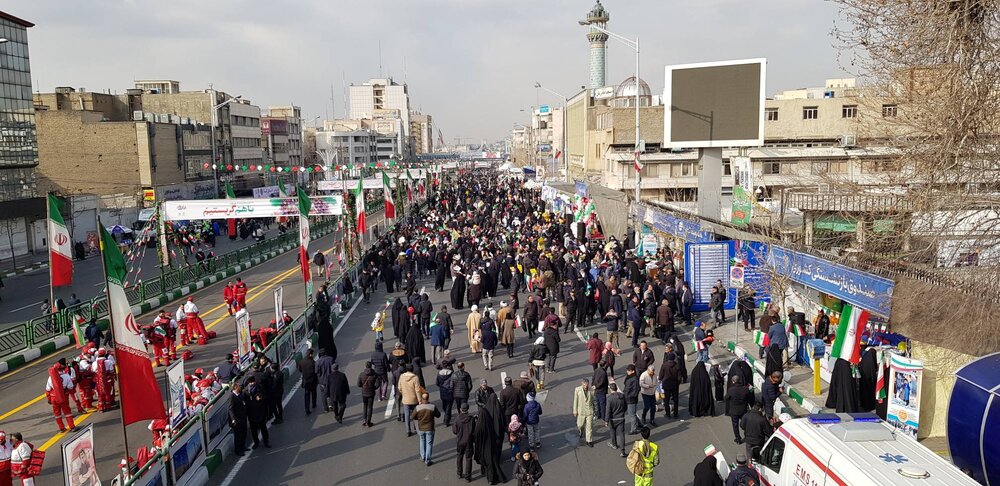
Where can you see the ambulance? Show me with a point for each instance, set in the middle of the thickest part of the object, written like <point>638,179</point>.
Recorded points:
<point>851,449</point>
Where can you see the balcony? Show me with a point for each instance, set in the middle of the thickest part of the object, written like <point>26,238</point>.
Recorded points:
<point>837,202</point>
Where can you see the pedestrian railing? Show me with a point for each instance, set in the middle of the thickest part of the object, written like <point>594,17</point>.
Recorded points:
<point>202,434</point>
<point>41,329</point>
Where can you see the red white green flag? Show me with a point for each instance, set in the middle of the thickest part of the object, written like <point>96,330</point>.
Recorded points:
<point>852,321</point>
<point>881,388</point>
<point>390,207</point>
<point>761,339</point>
<point>78,330</point>
<point>359,208</point>
<point>798,330</point>
<point>140,393</point>
<point>60,256</point>
<point>304,206</point>
<point>409,186</point>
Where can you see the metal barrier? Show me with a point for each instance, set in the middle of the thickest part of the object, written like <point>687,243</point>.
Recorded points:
<point>41,329</point>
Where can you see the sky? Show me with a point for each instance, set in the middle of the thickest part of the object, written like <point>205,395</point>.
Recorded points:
<point>470,64</point>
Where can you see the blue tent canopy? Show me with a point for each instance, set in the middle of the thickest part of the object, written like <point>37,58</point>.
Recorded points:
<point>974,419</point>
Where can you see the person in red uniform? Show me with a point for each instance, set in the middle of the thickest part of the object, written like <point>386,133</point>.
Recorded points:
<point>74,374</point>
<point>58,388</point>
<point>229,296</point>
<point>161,337</point>
<point>104,370</point>
<point>240,292</point>
<point>6,448</point>
<point>195,326</point>
<point>85,382</point>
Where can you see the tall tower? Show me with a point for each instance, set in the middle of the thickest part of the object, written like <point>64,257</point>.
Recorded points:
<point>598,17</point>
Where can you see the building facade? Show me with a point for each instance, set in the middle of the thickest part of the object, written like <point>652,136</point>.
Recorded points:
<point>422,132</point>
<point>346,146</point>
<point>164,86</point>
<point>379,99</point>
<point>293,117</point>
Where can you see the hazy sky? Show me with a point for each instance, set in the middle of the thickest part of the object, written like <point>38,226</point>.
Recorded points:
<point>471,64</point>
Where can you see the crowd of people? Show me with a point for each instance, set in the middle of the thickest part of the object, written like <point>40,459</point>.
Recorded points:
<point>527,282</point>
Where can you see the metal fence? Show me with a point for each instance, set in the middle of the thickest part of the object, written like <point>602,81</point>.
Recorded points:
<point>44,328</point>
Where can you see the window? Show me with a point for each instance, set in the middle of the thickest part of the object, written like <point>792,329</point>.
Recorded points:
<point>889,111</point>
<point>772,454</point>
<point>771,114</point>
<point>821,167</point>
<point>810,112</point>
<point>879,166</point>
<point>849,111</point>
<point>682,169</point>
<point>727,168</point>
<point>771,168</point>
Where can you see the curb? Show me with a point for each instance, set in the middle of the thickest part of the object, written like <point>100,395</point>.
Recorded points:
<point>808,404</point>
<point>29,268</point>
<point>20,359</point>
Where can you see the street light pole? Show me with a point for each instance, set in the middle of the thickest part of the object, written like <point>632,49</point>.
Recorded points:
<point>565,129</point>
<point>215,117</point>
<point>634,44</point>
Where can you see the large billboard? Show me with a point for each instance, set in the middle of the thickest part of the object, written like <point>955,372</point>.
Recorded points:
<point>714,104</point>
<point>250,208</point>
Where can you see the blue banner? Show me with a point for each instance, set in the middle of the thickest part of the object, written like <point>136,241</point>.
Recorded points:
<point>581,188</point>
<point>752,255</point>
<point>868,291</point>
<point>704,265</point>
<point>685,229</point>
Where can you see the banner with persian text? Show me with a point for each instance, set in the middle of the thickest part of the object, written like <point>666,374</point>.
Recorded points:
<point>332,205</point>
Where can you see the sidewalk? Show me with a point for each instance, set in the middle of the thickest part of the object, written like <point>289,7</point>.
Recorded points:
<point>23,263</point>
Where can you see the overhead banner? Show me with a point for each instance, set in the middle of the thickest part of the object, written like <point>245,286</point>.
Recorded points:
<point>79,467</point>
<point>332,205</point>
<point>905,376</point>
<point>369,184</point>
<point>175,385</point>
<point>244,347</point>
<point>704,265</point>
<point>272,191</point>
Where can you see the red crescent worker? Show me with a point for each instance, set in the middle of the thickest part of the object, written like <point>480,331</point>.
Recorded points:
<point>229,296</point>
<point>240,292</point>
<point>57,390</point>
<point>85,387</point>
<point>104,370</point>
<point>6,448</point>
<point>182,325</point>
<point>20,459</point>
<point>196,327</point>
<point>74,374</point>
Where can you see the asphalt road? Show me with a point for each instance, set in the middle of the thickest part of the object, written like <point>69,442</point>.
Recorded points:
<point>24,409</point>
<point>314,449</point>
<point>23,294</point>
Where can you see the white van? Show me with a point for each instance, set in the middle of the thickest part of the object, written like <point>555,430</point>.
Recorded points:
<point>851,449</point>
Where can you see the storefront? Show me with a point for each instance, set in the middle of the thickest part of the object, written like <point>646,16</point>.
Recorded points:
<point>812,284</point>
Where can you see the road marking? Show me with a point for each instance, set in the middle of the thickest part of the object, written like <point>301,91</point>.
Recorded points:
<point>580,335</point>
<point>55,438</point>
<point>36,304</point>
<point>541,396</point>
<point>392,403</point>
<point>42,286</point>
<point>503,380</point>
<point>99,284</point>
<point>239,464</point>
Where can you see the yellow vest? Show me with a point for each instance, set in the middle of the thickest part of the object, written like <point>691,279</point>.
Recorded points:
<point>651,458</point>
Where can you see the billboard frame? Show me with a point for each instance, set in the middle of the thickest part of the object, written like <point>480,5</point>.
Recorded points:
<point>668,105</point>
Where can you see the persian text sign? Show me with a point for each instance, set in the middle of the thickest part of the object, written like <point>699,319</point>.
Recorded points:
<point>862,289</point>
<point>332,205</point>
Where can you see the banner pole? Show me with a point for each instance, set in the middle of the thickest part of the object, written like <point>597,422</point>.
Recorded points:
<point>111,329</point>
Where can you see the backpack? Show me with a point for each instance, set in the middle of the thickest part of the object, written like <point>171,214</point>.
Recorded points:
<point>634,462</point>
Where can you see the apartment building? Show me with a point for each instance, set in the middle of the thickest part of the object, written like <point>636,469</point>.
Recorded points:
<point>292,115</point>
<point>379,99</point>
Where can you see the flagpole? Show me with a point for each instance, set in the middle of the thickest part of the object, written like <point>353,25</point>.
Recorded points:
<point>52,287</point>
<point>114,349</point>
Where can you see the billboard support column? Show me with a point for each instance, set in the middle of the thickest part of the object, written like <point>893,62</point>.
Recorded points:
<point>710,182</point>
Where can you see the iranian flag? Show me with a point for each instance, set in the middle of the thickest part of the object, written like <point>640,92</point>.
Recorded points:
<point>390,207</point>
<point>852,322</point>
<point>60,258</point>
<point>760,338</point>
<point>881,388</point>
<point>304,206</point>
<point>798,330</point>
<point>359,208</point>
<point>140,394</point>
<point>78,332</point>
<point>231,222</point>
<point>409,186</point>
<point>638,165</point>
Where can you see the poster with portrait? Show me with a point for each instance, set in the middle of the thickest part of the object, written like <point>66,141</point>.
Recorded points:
<point>905,389</point>
<point>278,307</point>
<point>79,467</point>
<point>175,389</point>
<point>243,344</point>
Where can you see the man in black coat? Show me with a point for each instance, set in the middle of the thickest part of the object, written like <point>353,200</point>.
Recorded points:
<point>275,392</point>
<point>643,357</point>
<point>257,412</point>
<point>510,400</point>
<point>600,384</point>
<point>631,399</point>
<point>756,430</point>
<point>238,418</point>
<point>461,385</point>
<point>307,368</point>
<point>339,389</point>
<point>614,414</point>
<point>464,428</point>
<point>738,399</point>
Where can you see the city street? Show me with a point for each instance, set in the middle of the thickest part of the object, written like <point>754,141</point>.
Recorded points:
<point>315,449</point>
<point>88,279</point>
<point>23,407</point>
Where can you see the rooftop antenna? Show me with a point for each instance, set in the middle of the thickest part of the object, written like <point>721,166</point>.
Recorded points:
<point>343,89</point>
<point>404,69</point>
<point>333,107</point>
<point>380,58</point>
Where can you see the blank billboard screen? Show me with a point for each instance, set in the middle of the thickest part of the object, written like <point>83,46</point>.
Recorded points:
<point>714,104</point>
